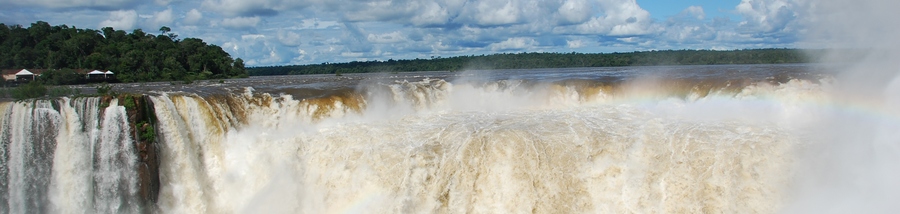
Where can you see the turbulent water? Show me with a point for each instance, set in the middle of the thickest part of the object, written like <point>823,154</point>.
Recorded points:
<point>684,139</point>
<point>66,156</point>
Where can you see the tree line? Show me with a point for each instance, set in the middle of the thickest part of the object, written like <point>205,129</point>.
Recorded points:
<point>134,57</point>
<point>547,60</point>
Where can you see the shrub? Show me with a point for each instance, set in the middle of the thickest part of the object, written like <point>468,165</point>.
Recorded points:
<point>148,133</point>
<point>104,89</point>
<point>31,90</point>
<point>61,91</point>
<point>129,102</point>
<point>5,92</point>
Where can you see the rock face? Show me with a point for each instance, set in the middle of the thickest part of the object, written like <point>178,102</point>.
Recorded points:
<point>141,118</point>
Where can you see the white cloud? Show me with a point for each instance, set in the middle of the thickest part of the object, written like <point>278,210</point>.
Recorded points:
<point>256,49</point>
<point>493,12</point>
<point>234,8</point>
<point>767,15</point>
<point>288,38</point>
<point>302,57</point>
<point>246,37</point>
<point>413,12</point>
<point>694,11</point>
<point>393,37</point>
<point>620,18</point>
<point>517,43</point>
<point>121,20</point>
<point>575,11</point>
<point>315,23</point>
<point>274,57</point>
<point>375,10</point>
<point>96,4</point>
<point>315,31</point>
<point>240,22</point>
<point>574,43</point>
<point>352,54</point>
<point>431,13</point>
<point>691,34</point>
<point>193,17</point>
<point>162,18</point>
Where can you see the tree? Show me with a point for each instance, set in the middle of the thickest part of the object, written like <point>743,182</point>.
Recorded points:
<point>164,30</point>
<point>135,56</point>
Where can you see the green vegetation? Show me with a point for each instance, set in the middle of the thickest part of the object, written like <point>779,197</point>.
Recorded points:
<point>103,89</point>
<point>28,91</point>
<point>147,132</point>
<point>134,57</point>
<point>546,60</point>
<point>128,103</point>
<point>61,77</point>
<point>38,90</point>
<point>61,91</point>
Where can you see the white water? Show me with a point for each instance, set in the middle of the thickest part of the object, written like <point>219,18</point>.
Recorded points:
<point>66,160</point>
<point>423,147</point>
<point>854,167</point>
<point>115,178</point>
<point>434,146</point>
<point>32,139</point>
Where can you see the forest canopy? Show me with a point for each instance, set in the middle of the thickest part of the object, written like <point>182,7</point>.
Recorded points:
<point>548,60</point>
<point>134,57</point>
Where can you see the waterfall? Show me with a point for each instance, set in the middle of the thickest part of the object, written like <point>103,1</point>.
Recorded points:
<point>426,146</point>
<point>67,156</point>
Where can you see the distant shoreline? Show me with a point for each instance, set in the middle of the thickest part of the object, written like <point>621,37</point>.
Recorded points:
<point>551,60</point>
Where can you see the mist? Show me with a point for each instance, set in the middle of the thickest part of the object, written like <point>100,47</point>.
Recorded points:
<point>853,164</point>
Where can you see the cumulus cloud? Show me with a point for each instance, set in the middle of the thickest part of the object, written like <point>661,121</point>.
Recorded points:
<point>317,24</point>
<point>121,20</point>
<point>162,18</point>
<point>491,13</point>
<point>433,13</point>
<point>574,43</point>
<point>192,17</point>
<point>768,15</point>
<point>314,31</point>
<point>494,12</point>
<point>288,38</point>
<point>256,49</point>
<point>455,13</point>
<point>234,8</point>
<point>415,12</point>
<point>94,4</point>
<point>240,22</point>
<point>620,18</point>
<point>517,43</point>
<point>694,11</point>
<point>355,38</point>
<point>393,37</point>
<point>575,11</point>
<point>691,34</point>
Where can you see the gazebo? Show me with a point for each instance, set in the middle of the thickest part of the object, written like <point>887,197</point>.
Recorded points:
<point>25,75</point>
<point>96,74</point>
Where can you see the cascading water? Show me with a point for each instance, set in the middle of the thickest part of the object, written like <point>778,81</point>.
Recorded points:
<point>33,132</point>
<point>62,156</point>
<point>115,179</point>
<point>434,146</point>
<point>422,145</point>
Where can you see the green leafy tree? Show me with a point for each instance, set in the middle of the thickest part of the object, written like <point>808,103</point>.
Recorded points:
<point>134,57</point>
<point>33,89</point>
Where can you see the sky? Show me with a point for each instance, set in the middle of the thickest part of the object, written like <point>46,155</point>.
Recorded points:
<point>286,32</point>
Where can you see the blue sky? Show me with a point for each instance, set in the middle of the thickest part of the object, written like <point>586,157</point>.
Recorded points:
<point>662,9</point>
<point>280,32</point>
